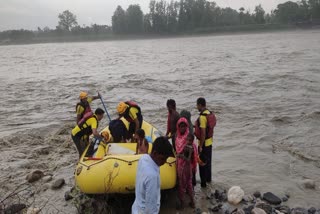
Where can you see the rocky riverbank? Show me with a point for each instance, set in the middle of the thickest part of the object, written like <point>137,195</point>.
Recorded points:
<point>37,168</point>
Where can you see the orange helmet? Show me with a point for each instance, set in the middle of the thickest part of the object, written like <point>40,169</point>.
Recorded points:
<point>106,136</point>
<point>122,107</point>
<point>83,95</point>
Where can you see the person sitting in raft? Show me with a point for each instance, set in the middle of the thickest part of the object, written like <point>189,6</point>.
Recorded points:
<point>142,143</point>
<point>83,107</point>
<point>132,113</point>
<point>80,134</point>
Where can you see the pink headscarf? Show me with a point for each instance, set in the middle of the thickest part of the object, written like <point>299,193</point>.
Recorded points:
<point>181,140</point>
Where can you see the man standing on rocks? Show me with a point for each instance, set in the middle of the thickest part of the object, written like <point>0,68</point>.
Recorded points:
<point>147,190</point>
<point>204,126</point>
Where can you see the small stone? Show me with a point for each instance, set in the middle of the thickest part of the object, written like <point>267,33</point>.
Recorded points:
<point>278,212</point>
<point>32,210</point>
<point>248,198</point>
<point>235,195</point>
<point>45,187</point>
<point>58,184</point>
<point>34,176</point>
<point>198,211</point>
<point>266,207</point>
<point>47,178</point>
<point>216,208</point>
<point>309,184</point>
<point>248,210</point>
<point>312,210</point>
<point>257,194</point>
<point>204,213</point>
<point>283,209</point>
<point>284,199</point>
<point>299,210</point>
<point>257,210</point>
<point>68,196</point>
<point>271,198</point>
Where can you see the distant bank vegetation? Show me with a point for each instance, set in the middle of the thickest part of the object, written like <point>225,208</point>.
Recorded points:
<point>173,18</point>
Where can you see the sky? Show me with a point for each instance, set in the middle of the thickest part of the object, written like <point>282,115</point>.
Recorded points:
<point>31,14</point>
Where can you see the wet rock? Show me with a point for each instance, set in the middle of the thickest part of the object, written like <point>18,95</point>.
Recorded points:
<point>271,198</point>
<point>198,211</point>
<point>248,210</point>
<point>58,184</point>
<point>216,208</point>
<point>235,195</point>
<point>283,209</point>
<point>312,210</point>
<point>34,176</point>
<point>33,210</point>
<point>47,178</point>
<point>248,198</point>
<point>299,210</point>
<point>238,211</point>
<point>257,194</point>
<point>284,199</point>
<point>278,212</point>
<point>309,184</point>
<point>68,196</point>
<point>257,210</point>
<point>266,207</point>
<point>14,208</point>
<point>287,195</point>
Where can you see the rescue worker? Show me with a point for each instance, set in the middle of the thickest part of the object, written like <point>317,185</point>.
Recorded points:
<point>204,126</point>
<point>80,134</point>
<point>132,113</point>
<point>83,107</point>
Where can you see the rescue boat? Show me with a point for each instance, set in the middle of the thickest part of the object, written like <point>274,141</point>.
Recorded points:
<point>112,168</point>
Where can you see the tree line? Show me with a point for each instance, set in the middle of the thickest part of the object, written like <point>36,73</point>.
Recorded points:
<point>175,17</point>
<point>188,15</point>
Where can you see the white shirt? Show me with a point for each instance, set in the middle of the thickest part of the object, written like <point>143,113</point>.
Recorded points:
<point>147,190</point>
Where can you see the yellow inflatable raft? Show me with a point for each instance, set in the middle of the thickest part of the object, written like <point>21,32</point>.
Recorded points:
<point>113,167</point>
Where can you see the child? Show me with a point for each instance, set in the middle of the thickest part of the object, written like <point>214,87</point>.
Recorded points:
<point>142,143</point>
<point>185,161</point>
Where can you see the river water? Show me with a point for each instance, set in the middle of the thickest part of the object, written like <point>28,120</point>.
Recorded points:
<point>264,89</point>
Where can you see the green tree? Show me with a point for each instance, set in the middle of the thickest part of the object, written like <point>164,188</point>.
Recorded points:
<point>287,12</point>
<point>119,22</point>
<point>134,16</point>
<point>314,8</point>
<point>172,16</point>
<point>241,15</point>
<point>67,20</point>
<point>259,14</point>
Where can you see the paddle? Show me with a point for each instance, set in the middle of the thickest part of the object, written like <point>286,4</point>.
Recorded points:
<point>104,106</point>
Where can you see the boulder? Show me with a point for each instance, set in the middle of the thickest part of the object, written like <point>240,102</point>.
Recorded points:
<point>235,195</point>
<point>34,176</point>
<point>271,198</point>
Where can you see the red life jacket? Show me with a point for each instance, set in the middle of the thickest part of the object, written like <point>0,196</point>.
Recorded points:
<point>126,113</point>
<point>211,123</point>
<point>87,111</point>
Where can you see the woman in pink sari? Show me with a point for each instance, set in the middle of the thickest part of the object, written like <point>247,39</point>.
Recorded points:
<point>186,160</point>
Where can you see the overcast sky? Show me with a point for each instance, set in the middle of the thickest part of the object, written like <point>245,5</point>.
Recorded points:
<point>29,14</point>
